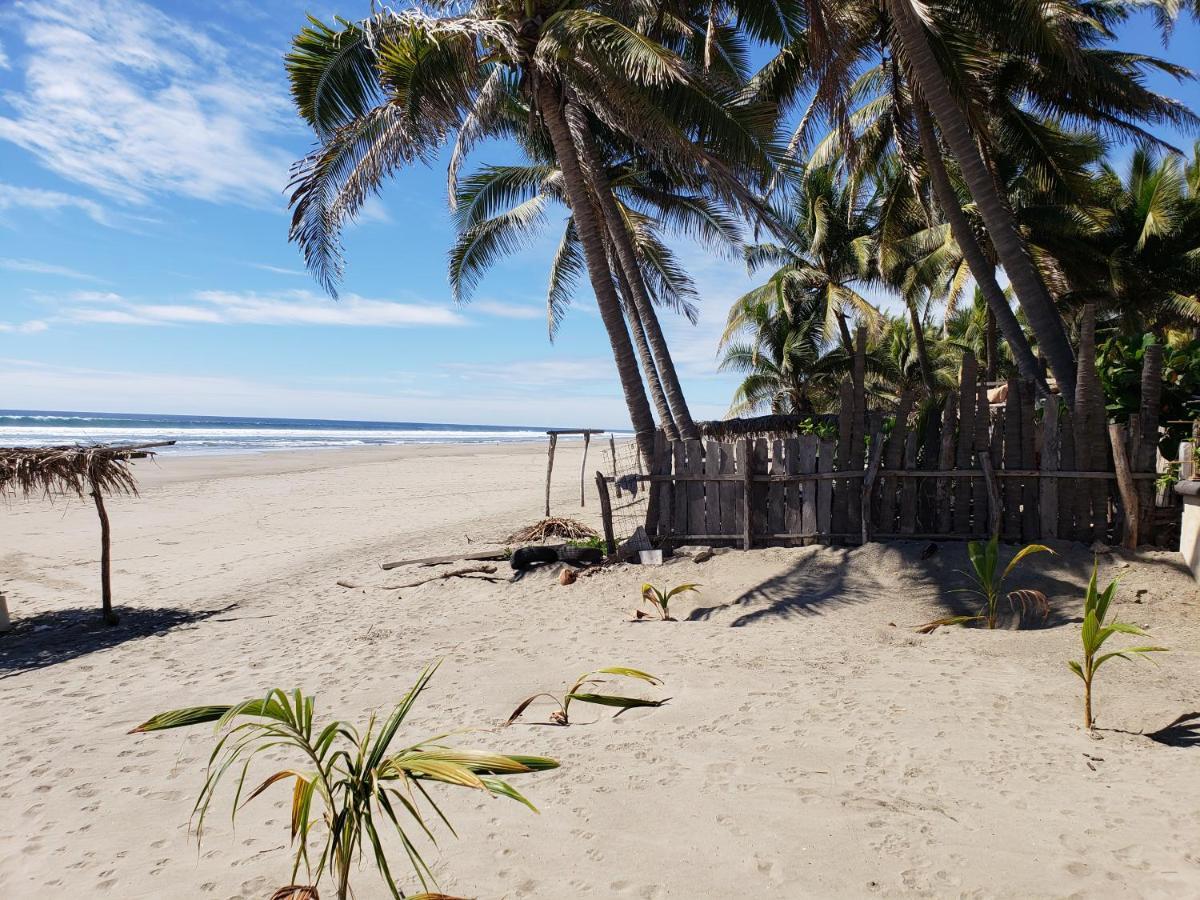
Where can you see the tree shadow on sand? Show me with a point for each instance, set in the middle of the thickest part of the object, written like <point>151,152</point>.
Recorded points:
<point>49,638</point>
<point>807,589</point>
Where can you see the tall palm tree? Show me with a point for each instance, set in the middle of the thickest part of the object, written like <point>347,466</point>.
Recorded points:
<point>389,90</point>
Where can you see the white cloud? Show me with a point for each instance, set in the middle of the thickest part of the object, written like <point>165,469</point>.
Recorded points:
<point>121,97</point>
<point>32,327</point>
<point>509,310</point>
<point>295,307</point>
<point>3,58</point>
<point>13,197</point>
<point>278,270</point>
<point>37,267</point>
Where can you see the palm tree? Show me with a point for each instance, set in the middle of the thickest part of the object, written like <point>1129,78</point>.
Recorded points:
<point>388,91</point>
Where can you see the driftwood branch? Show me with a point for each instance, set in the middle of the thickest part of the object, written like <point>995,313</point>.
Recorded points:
<point>441,560</point>
<point>453,573</point>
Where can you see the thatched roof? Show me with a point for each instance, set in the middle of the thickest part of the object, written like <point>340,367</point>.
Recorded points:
<point>762,426</point>
<point>73,469</point>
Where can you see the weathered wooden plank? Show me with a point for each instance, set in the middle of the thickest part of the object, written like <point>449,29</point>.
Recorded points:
<point>893,460</point>
<point>825,462</point>
<point>712,490</point>
<point>1048,487</point>
<point>744,519</point>
<point>807,463</point>
<point>610,541</point>
<point>1068,488</point>
<point>731,503</point>
<point>964,458</point>
<point>927,458</point>
<point>760,460</point>
<point>776,491</point>
<point>679,499</point>
<point>868,485</point>
<point>658,506</point>
<point>1011,525</point>
<point>1129,503</point>
<point>993,493</point>
<point>792,518</point>
<point>1031,523</point>
<point>908,488</point>
<point>858,434</point>
<point>841,491</point>
<point>695,489</point>
<point>946,459</point>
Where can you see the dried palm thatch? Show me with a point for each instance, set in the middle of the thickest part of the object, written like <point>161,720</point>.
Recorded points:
<point>98,470</point>
<point>763,426</point>
<point>54,471</point>
<point>553,527</point>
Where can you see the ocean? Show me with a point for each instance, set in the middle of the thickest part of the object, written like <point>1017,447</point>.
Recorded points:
<point>235,434</point>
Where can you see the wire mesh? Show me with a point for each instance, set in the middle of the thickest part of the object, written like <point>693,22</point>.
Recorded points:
<point>628,494</point>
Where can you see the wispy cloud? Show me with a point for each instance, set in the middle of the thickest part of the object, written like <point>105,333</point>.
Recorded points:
<point>37,267</point>
<point>294,307</point>
<point>509,310</point>
<point>3,58</point>
<point>278,270</point>
<point>123,98</point>
<point>31,327</point>
<point>13,197</point>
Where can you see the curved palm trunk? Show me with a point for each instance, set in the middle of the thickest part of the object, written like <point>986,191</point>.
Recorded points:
<point>1039,308</point>
<point>628,261</point>
<point>649,370</point>
<point>991,351</point>
<point>922,348</point>
<point>981,268</point>
<point>594,256</point>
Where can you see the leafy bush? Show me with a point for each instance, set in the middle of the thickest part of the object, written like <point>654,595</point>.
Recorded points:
<point>1094,634</point>
<point>1119,361</point>
<point>661,601</point>
<point>561,717</point>
<point>356,780</point>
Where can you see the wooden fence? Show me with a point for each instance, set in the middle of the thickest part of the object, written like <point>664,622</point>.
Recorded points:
<point>966,469</point>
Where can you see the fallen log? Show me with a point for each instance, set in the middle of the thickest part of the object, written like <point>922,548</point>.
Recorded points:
<point>442,560</point>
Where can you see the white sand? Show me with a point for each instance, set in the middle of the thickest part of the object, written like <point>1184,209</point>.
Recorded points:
<point>811,748</point>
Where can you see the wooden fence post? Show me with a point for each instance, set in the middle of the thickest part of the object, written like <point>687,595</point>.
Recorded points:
<point>610,542</point>
<point>993,493</point>
<point>1125,486</point>
<point>868,484</point>
<point>550,469</point>
<point>743,464</point>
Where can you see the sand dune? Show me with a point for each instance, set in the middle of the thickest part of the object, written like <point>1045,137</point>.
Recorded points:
<point>814,745</point>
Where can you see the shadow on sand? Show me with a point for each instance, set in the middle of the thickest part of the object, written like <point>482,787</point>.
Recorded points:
<point>1183,732</point>
<point>61,635</point>
<point>806,589</point>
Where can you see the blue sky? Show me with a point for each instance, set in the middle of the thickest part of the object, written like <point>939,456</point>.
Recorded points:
<point>144,263</point>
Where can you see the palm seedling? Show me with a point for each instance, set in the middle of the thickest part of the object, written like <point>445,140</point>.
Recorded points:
<point>347,785</point>
<point>661,600</point>
<point>576,693</point>
<point>1093,636</point>
<point>988,585</point>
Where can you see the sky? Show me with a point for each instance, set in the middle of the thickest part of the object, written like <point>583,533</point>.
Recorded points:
<point>145,267</point>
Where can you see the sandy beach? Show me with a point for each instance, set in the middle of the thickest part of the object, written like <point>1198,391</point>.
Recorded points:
<point>814,745</point>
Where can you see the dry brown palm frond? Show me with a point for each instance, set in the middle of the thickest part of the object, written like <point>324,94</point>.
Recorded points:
<point>54,471</point>
<point>554,527</point>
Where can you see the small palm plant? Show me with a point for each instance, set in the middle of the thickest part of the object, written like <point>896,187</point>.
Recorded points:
<point>561,715</point>
<point>356,780</point>
<point>1093,636</point>
<point>661,601</point>
<point>988,585</point>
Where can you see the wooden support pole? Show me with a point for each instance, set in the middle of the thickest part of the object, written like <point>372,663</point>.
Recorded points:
<point>587,439</point>
<point>743,463</point>
<point>993,492</point>
<point>1125,485</point>
<point>110,617</point>
<point>612,448</point>
<point>610,542</point>
<point>549,469</point>
<point>868,485</point>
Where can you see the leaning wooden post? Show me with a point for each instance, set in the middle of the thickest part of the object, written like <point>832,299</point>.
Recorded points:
<point>110,617</point>
<point>1125,486</point>
<point>587,439</point>
<point>549,469</point>
<point>868,484</point>
<point>993,492</point>
<point>610,542</point>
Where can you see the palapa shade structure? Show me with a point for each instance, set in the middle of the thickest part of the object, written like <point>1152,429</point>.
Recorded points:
<point>97,470</point>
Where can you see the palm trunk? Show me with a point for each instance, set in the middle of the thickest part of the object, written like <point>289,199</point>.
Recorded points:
<point>1039,308</point>
<point>989,346</point>
<point>628,262</point>
<point>649,370</point>
<point>844,329</point>
<point>586,223</point>
<point>922,348</point>
<point>981,268</point>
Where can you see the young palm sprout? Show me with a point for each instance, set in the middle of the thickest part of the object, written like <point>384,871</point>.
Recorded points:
<point>988,585</point>
<point>561,717</point>
<point>1093,636</point>
<point>661,600</point>
<point>357,781</point>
